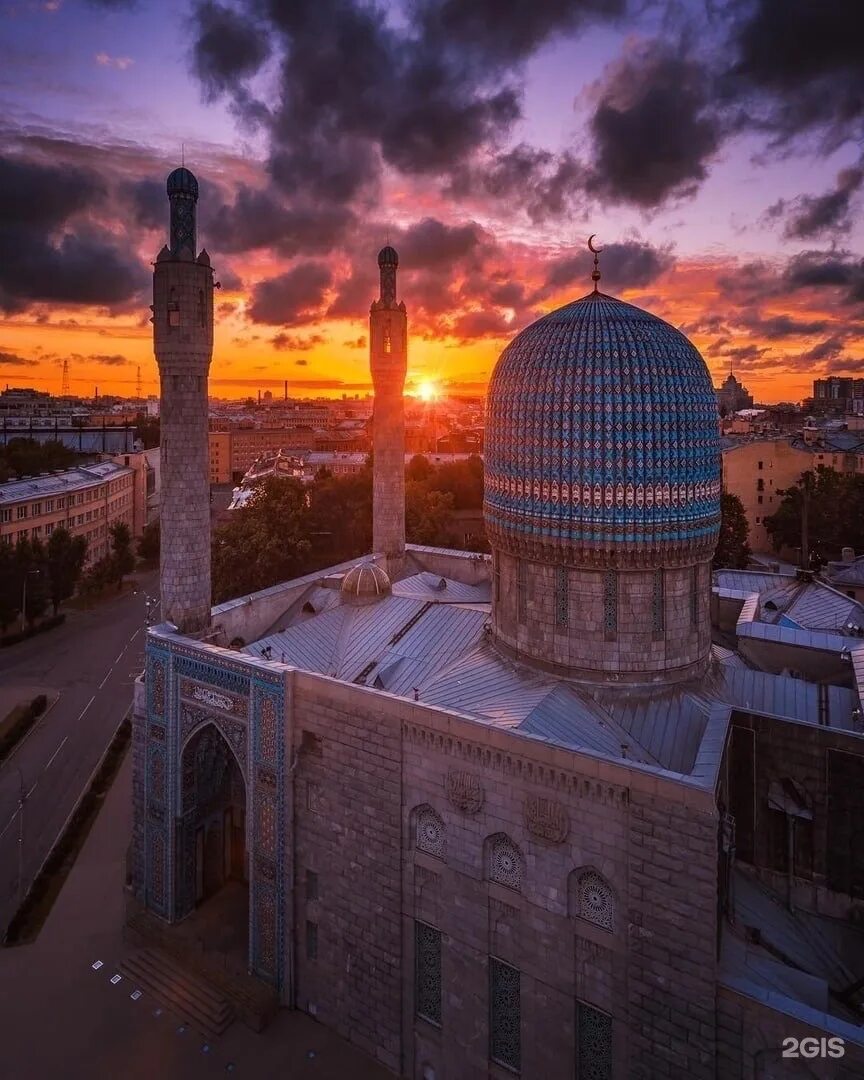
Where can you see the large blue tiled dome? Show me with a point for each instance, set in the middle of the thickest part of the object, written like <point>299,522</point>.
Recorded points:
<point>602,441</point>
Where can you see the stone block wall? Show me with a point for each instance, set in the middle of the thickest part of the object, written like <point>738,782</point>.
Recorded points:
<point>629,625</point>
<point>347,834</point>
<point>750,1034</point>
<point>399,809</point>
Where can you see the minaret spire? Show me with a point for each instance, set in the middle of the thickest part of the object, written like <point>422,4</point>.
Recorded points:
<point>388,351</point>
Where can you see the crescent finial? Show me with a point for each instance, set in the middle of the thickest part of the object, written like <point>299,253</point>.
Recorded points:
<point>595,273</point>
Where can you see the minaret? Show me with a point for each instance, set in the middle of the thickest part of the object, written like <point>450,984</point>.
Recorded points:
<point>388,360</point>
<point>183,344</point>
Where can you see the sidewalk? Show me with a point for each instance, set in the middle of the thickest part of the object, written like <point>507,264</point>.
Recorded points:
<point>59,1018</point>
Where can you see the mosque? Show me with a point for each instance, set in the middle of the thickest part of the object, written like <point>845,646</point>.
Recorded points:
<point>578,809</point>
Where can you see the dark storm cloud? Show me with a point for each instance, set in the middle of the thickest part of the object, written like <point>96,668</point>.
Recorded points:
<point>431,243</point>
<point>297,342</point>
<point>654,129</point>
<point>829,349</point>
<point>628,265</point>
<point>831,269</point>
<point>43,197</point>
<point>481,324</point>
<point>505,31</point>
<point>228,49</point>
<point>262,218</point>
<point>775,327</point>
<point>356,91</point>
<point>8,359</point>
<point>84,266</point>
<point>797,66</point>
<point>228,278</point>
<point>114,360</point>
<point>545,184</point>
<point>811,216</point>
<point>292,298</point>
<point>149,203</point>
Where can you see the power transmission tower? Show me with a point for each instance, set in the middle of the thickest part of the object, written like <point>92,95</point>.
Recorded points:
<point>138,383</point>
<point>64,385</point>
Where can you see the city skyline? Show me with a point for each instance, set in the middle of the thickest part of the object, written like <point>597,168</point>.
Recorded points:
<point>486,159</point>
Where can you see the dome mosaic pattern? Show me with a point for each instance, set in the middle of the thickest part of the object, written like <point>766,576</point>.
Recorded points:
<point>602,441</point>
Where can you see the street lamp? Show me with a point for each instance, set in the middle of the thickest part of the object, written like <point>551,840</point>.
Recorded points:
<point>27,573</point>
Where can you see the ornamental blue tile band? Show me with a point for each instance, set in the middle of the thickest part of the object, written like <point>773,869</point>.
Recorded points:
<point>602,440</point>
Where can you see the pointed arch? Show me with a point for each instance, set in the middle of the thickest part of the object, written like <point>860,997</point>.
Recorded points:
<point>428,831</point>
<point>591,897</point>
<point>503,861</point>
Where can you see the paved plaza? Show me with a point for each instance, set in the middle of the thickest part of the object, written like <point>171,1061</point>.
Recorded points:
<point>62,1018</point>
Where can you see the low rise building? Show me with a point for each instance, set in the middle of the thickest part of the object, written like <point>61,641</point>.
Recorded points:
<point>85,500</point>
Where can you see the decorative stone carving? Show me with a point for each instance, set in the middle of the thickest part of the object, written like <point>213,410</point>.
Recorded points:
<point>546,819</point>
<point>464,791</point>
<point>213,698</point>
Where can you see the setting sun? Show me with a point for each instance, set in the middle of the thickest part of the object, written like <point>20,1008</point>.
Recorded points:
<point>427,391</point>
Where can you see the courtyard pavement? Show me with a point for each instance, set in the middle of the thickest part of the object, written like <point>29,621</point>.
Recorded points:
<point>60,1019</point>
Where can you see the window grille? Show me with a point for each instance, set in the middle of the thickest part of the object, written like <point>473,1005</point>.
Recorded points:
<point>562,596</point>
<point>595,901</point>
<point>505,1015</point>
<point>506,865</point>
<point>658,605</point>
<point>429,833</point>
<point>610,602</point>
<point>593,1043</point>
<point>311,885</point>
<point>427,972</point>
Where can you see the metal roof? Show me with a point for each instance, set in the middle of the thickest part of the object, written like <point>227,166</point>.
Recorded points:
<point>82,476</point>
<point>440,590</point>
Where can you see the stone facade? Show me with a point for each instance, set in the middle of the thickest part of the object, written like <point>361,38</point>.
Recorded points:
<point>401,824</point>
<point>388,361</point>
<point>612,625</point>
<point>183,344</point>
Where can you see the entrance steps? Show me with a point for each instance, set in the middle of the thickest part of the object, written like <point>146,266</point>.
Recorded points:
<point>253,1002</point>
<point>192,998</point>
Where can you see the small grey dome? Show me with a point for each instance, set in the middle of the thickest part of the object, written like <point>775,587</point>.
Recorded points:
<point>365,584</point>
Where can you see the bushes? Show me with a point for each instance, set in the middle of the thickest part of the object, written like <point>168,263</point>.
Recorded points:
<point>21,723</point>
<point>37,628</point>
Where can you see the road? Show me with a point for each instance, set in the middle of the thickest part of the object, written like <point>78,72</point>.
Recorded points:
<point>91,661</point>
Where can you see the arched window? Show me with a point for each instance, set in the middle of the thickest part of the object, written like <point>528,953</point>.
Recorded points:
<point>505,863</point>
<point>201,307</point>
<point>591,898</point>
<point>388,341</point>
<point>429,834</point>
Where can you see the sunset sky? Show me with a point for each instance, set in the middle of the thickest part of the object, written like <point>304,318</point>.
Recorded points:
<point>714,148</point>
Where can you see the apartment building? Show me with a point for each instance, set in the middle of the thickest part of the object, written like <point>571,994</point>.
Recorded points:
<point>85,500</point>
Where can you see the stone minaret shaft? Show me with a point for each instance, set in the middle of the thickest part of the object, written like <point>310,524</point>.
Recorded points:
<point>388,359</point>
<point>183,344</point>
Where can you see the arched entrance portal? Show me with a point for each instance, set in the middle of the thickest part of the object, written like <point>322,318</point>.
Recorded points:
<point>213,867</point>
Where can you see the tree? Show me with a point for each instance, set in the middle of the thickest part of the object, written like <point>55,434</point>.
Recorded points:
<point>732,551</point>
<point>832,506</point>
<point>265,542</point>
<point>27,457</point>
<point>100,574</point>
<point>148,542</point>
<point>65,557</point>
<point>10,595</point>
<point>122,558</point>
<point>427,515</point>
<point>32,578</point>
<point>419,468</point>
<point>147,430</point>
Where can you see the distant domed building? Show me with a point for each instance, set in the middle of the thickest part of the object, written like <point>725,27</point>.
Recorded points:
<point>602,494</point>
